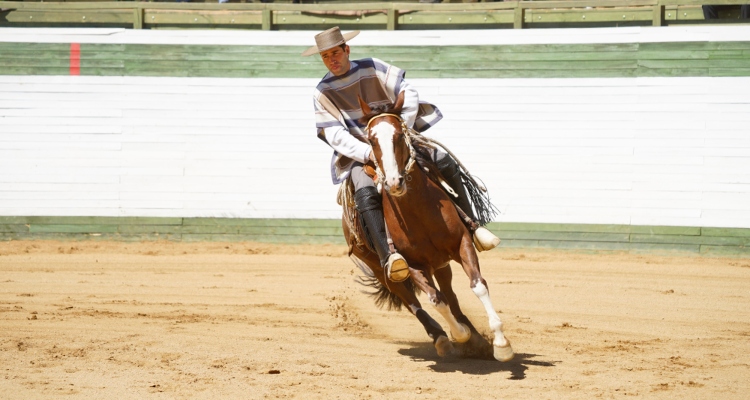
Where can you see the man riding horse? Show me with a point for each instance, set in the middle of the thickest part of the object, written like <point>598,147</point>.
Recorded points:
<point>337,114</point>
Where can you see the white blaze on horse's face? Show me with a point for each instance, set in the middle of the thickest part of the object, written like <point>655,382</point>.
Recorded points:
<point>385,133</point>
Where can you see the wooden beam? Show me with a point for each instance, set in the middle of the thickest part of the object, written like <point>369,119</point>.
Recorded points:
<point>370,15</point>
<point>519,16</point>
<point>658,15</point>
<point>138,17</point>
<point>551,4</point>
<point>392,23</point>
<point>266,20</point>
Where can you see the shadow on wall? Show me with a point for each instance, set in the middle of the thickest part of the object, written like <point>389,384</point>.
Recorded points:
<point>726,12</point>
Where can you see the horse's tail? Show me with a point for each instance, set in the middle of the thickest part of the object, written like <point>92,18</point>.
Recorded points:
<point>381,295</point>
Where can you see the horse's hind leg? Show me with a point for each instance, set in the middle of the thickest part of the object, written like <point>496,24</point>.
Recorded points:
<point>440,340</point>
<point>460,332</point>
<point>502,349</point>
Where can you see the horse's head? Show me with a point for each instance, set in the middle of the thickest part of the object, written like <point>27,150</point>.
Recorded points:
<point>389,143</point>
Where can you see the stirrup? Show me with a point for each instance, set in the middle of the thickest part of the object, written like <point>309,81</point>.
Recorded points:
<point>396,268</point>
<point>484,239</point>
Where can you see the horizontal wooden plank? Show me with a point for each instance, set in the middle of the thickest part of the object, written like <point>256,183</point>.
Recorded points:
<point>114,221</point>
<point>14,228</point>
<point>280,222</point>
<point>13,220</point>
<point>534,227</point>
<point>699,240</point>
<point>68,236</point>
<point>579,237</point>
<point>566,236</point>
<point>666,230</point>
<point>664,248</point>
<point>229,17</point>
<point>575,245</point>
<point>211,229</point>
<point>417,18</point>
<point>492,61</point>
<point>262,238</point>
<point>160,229</point>
<point>93,16</point>
<point>292,231</point>
<point>518,243</point>
<point>725,251</point>
<point>54,228</point>
<point>726,232</point>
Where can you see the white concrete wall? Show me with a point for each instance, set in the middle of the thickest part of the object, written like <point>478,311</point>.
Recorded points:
<point>641,151</point>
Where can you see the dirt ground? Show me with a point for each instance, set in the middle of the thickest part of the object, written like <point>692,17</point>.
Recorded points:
<point>106,320</point>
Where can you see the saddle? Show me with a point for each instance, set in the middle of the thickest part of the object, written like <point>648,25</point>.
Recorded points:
<point>345,198</point>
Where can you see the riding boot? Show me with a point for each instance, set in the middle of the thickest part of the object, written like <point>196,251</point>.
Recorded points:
<point>483,238</point>
<point>370,210</point>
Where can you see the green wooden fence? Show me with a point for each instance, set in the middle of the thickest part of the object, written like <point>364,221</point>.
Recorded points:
<point>497,61</point>
<point>355,15</point>
<point>620,238</point>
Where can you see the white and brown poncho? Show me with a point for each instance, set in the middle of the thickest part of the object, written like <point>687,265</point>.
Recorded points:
<point>337,110</point>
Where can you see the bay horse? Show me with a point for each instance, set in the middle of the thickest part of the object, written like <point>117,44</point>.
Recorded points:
<point>426,228</point>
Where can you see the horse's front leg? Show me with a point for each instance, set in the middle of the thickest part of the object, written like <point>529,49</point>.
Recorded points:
<point>501,346</point>
<point>460,332</point>
<point>444,279</point>
<point>440,340</point>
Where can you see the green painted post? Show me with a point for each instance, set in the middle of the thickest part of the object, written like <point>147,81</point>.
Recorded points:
<point>518,16</point>
<point>392,23</point>
<point>658,15</point>
<point>267,22</point>
<point>137,17</point>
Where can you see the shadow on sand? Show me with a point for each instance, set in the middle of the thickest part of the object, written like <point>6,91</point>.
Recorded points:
<point>475,364</point>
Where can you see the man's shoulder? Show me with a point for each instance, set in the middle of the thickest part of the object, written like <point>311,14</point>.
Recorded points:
<point>374,63</point>
<point>325,83</point>
<point>327,77</point>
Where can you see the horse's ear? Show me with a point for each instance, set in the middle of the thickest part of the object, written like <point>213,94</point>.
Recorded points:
<point>399,103</point>
<point>365,108</point>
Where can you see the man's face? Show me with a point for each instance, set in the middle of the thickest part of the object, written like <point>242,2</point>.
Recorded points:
<point>336,59</point>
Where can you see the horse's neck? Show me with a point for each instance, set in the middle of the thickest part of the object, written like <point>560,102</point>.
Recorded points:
<point>422,187</point>
<point>420,208</point>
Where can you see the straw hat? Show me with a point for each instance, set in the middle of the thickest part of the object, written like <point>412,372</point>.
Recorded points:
<point>329,39</point>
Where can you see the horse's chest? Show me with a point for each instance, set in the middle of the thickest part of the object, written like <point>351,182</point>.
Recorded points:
<point>423,233</point>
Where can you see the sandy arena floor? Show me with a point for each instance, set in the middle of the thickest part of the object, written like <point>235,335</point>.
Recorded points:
<point>102,320</point>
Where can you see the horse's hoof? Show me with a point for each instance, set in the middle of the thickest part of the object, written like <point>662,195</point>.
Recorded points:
<point>463,335</point>
<point>503,353</point>
<point>444,346</point>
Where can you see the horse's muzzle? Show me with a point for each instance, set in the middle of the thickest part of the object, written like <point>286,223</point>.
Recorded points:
<point>396,187</point>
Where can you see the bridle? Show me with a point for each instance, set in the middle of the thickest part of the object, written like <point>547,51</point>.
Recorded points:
<point>407,138</point>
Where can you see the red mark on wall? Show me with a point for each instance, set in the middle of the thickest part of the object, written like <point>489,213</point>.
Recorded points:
<point>75,59</point>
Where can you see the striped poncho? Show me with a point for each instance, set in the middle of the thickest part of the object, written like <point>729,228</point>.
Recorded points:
<point>337,111</point>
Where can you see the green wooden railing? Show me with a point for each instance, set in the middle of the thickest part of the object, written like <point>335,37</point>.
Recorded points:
<point>621,238</point>
<point>356,15</point>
